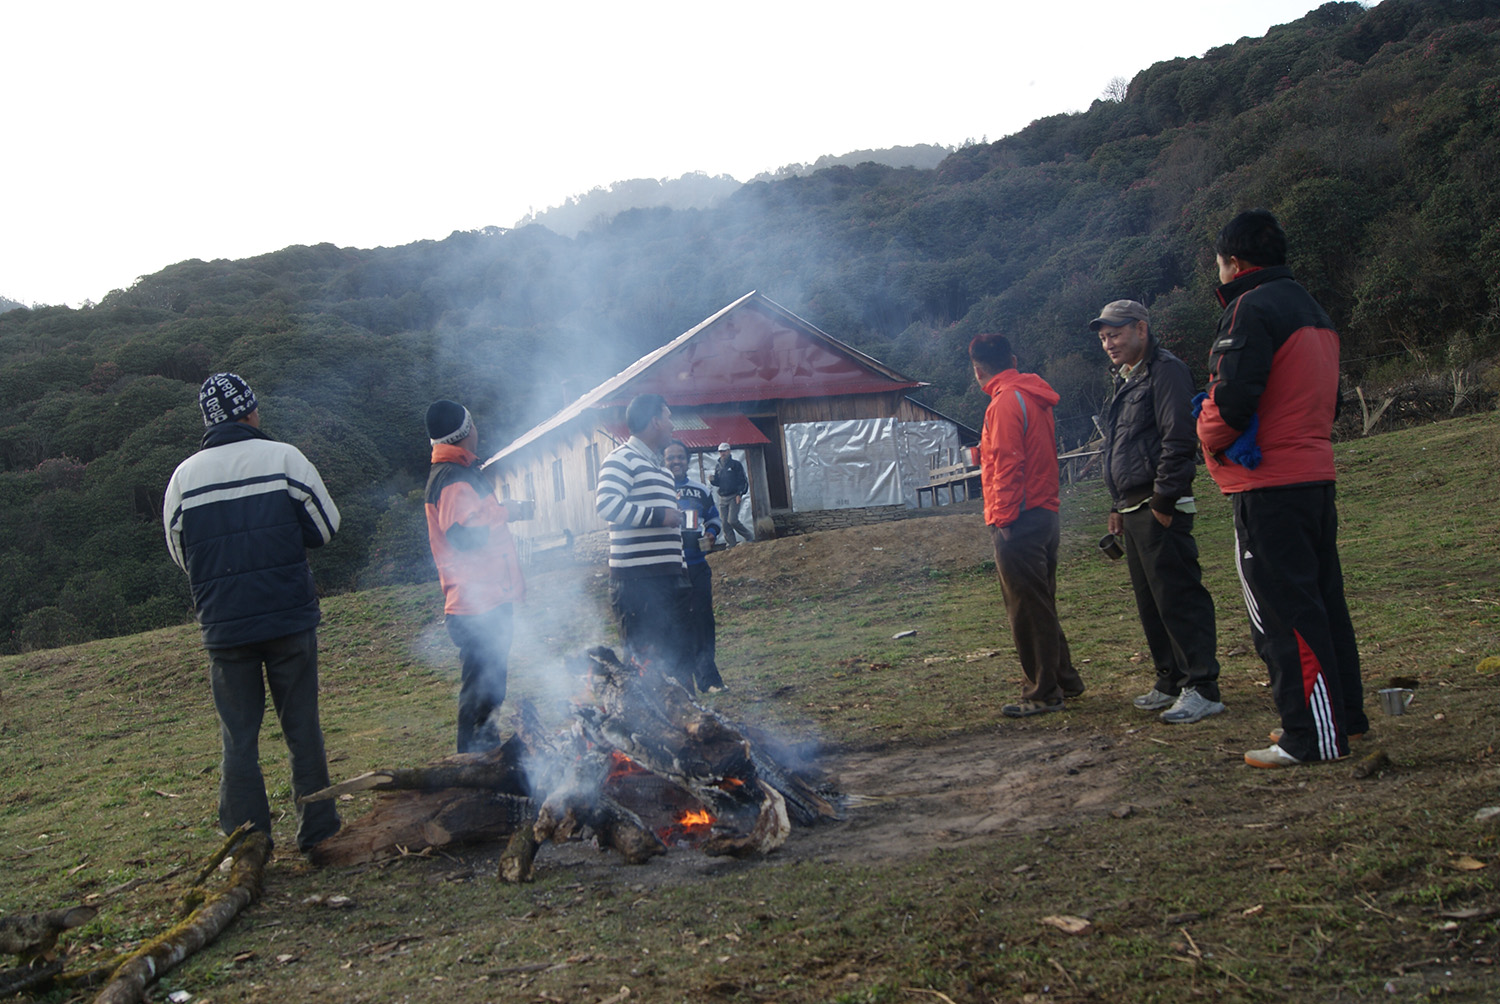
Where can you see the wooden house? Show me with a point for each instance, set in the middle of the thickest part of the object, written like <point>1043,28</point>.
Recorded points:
<point>818,424</point>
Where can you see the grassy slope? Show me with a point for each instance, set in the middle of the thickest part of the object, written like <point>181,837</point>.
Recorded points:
<point>1238,885</point>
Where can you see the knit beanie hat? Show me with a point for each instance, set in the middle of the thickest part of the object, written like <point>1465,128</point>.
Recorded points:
<point>448,422</point>
<point>225,397</point>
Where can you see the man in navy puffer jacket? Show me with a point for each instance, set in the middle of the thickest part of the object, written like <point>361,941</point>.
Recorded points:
<point>239,515</point>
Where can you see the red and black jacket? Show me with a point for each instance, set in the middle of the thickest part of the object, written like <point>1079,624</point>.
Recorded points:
<point>1276,356</point>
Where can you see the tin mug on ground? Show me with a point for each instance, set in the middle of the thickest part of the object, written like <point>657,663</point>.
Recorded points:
<point>1394,700</point>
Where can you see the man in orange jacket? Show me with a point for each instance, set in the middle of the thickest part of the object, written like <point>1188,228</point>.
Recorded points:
<point>478,568</point>
<point>1018,468</point>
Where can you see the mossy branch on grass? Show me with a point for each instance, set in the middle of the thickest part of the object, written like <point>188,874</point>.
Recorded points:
<point>162,954</point>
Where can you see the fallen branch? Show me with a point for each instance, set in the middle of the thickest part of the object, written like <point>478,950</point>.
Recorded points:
<point>162,954</point>
<point>225,849</point>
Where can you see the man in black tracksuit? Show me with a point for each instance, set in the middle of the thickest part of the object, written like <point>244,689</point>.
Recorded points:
<point>1266,427</point>
<point>1149,457</point>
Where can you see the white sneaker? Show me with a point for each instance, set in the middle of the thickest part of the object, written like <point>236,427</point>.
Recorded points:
<point>1271,756</point>
<point>1190,707</point>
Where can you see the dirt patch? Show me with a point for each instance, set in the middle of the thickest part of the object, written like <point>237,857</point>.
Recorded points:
<point>911,800</point>
<point>846,559</point>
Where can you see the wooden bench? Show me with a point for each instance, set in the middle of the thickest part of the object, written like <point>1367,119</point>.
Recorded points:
<point>950,476</point>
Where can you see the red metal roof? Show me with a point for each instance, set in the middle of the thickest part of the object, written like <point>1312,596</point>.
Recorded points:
<point>752,350</point>
<point>704,432</point>
<point>760,355</point>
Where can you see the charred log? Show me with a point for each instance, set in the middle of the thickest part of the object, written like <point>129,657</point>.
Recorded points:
<point>13,981</point>
<point>420,820</point>
<point>770,831</point>
<point>517,861</point>
<point>499,770</point>
<point>33,935</point>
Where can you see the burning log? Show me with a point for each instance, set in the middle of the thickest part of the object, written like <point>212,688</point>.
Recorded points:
<point>643,768</point>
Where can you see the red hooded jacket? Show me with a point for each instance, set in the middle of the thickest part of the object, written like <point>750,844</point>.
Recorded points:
<point>1018,449</point>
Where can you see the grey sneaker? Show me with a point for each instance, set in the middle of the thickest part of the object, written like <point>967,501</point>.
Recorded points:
<point>1190,707</point>
<point>1155,701</point>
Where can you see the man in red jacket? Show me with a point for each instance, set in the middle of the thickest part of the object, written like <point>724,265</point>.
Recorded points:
<point>478,568</point>
<point>1018,468</point>
<point>1266,427</point>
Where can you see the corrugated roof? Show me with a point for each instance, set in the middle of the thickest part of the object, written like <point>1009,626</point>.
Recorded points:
<point>752,350</point>
<point>704,432</point>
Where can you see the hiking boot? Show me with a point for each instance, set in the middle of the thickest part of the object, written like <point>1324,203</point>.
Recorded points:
<point>1155,701</point>
<point>1190,707</point>
<point>1025,709</point>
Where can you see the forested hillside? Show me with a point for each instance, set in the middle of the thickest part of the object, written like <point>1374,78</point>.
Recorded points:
<point>1372,133</point>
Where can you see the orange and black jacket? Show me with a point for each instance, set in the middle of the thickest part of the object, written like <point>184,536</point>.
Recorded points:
<point>1276,356</point>
<point>471,545</point>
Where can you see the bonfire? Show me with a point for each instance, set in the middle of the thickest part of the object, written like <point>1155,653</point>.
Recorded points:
<point>640,768</point>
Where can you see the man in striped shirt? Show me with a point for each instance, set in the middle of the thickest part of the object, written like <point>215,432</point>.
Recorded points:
<point>648,582</point>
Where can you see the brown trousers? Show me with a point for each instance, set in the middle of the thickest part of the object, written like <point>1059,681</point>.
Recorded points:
<point>1027,564</point>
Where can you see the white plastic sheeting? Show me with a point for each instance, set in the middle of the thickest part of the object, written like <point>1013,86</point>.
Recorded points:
<point>857,463</point>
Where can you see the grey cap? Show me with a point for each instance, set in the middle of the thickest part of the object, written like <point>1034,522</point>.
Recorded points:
<point>1120,313</point>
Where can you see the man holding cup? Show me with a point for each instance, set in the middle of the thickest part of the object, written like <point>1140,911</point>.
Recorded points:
<point>700,527</point>
<point>1149,460</point>
<point>478,568</point>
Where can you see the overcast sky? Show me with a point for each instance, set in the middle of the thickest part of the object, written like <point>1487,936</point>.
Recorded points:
<point>141,134</point>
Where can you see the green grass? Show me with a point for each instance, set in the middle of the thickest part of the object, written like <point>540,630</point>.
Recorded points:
<point>1223,884</point>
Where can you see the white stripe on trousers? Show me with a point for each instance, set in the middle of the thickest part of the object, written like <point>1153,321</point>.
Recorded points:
<point>1251,607</point>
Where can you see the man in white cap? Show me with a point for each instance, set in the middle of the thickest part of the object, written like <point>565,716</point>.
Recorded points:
<point>239,516</point>
<point>732,483</point>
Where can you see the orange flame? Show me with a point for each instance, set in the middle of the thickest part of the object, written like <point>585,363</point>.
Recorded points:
<point>696,817</point>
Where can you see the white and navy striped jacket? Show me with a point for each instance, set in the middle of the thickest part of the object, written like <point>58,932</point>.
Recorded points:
<point>239,515</point>
<point>634,493</point>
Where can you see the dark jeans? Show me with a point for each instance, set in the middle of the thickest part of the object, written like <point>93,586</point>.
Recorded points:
<point>1027,564</point>
<point>483,642</point>
<point>1286,548</point>
<point>698,617</point>
<point>648,612</point>
<point>291,672</point>
<point>1176,611</point>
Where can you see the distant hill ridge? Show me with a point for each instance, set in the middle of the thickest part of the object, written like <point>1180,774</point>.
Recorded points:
<point>696,190</point>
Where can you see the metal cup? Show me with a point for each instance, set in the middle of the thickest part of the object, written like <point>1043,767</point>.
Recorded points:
<point>1111,547</point>
<point>1394,700</point>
